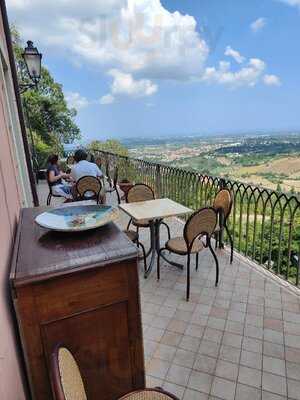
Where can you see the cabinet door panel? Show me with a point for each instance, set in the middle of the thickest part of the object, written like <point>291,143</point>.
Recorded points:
<point>100,342</point>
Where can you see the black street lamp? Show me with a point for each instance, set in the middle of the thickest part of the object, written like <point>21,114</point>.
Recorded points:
<point>33,60</point>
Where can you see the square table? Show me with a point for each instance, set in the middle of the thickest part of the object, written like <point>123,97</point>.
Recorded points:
<point>155,211</point>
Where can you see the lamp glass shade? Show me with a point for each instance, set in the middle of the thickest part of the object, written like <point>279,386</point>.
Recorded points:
<point>32,60</point>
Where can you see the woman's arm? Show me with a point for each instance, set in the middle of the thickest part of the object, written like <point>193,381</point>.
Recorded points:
<point>52,178</point>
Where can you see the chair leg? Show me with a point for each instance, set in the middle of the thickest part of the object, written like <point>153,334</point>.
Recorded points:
<point>221,237</point>
<point>129,223</point>
<point>49,199</point>
<point>168,229</point>
<point>158,264</point>
<point>197,261</point>
<point>216,239</point>
<point>216,261</point>
<point>231,243</point>
<point>139,244</point>
<point>188,282</point>
<point>118,195</point>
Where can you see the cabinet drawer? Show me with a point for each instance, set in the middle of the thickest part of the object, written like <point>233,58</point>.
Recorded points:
<point>58,298</point>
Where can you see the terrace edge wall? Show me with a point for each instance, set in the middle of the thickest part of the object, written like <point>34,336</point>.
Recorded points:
<point>15,193</point>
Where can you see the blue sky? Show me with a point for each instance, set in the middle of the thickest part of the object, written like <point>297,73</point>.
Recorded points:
<point>167,79</point>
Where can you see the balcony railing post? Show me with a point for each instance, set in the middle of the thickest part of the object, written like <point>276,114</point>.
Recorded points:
<point>222,183</point>
<point>295,261</point>
<point>298,269</point>
<point>157,181</point>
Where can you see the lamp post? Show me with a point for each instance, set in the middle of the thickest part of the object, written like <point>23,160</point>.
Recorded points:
<point>33,60</point>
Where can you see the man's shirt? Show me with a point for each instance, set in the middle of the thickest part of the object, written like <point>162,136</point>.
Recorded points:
<point>85,168</point>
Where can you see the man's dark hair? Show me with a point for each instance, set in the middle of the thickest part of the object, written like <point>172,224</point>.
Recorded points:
<point>80,155</point>
<point>52,159</point>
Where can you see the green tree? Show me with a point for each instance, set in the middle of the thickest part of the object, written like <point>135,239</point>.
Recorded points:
<point>111,146</point>
<point>46,109</point>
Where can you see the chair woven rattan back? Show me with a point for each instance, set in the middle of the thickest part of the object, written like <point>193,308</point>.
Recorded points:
<point>202,222</point>
<point>140,192</point>
<point>68,384</point>
<point>88,184</point>
<point>223,201</point>
<point>66,377</point>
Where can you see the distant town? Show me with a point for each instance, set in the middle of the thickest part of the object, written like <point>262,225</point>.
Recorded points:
<point>270,160</point>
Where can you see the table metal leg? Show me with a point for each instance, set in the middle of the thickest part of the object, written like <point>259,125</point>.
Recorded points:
<point>175,264</point>
<point>155,248</point>
<point>152,250</point>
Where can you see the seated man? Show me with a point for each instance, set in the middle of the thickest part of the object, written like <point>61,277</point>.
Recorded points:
<point>55,177</point>
<point>86,168</point>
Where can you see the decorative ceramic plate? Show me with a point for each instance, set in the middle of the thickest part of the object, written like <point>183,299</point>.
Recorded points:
<point>77,218</point>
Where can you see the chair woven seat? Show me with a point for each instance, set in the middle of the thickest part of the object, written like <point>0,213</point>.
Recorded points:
<point>178,245</point>
<point>132,235</point>
<point>147,395</point>
<point>141,223</point>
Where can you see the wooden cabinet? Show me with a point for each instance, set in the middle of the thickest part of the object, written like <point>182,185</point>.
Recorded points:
<point>81,290</point>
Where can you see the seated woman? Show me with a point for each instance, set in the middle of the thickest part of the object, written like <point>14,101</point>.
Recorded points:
<point>55,179</point>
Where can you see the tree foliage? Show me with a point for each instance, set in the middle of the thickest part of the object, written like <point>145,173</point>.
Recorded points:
<point>111,145</point>
<point>46,109</point>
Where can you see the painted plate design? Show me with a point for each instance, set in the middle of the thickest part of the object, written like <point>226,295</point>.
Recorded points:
<point>77,218</point>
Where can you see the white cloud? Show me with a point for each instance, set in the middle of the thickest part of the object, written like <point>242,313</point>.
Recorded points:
<point>125,85</point>
<point>75,100</point>
<point>293,3</point>
<point>107,99</point>
<point>137,41</point>
<point>136,36</point>
<point>234,54</point>
<point>258,24</point>
<point>271,80</point>
<point>248,75</point>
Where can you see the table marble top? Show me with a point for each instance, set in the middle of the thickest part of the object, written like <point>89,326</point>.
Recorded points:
<point>154,209</point>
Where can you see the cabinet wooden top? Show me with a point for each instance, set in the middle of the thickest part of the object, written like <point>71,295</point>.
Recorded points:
<point>40,254</point>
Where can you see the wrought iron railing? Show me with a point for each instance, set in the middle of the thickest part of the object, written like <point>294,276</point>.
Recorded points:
<point>265,225</point>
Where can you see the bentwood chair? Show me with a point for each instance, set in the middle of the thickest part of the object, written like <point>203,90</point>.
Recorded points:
<point>68,384</point>
<point>138,193</point>
<point>223,205</point>
<point>88,184</point>
<point>113,184</point>
<point>200,225</point>
<point>50,194</point>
